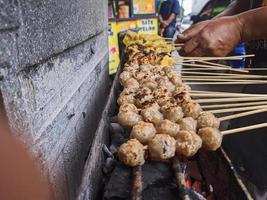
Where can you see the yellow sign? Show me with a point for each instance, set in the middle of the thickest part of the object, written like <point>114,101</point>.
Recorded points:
<point>144,7</point>
<point>148,25</point>
<point>114,58</point>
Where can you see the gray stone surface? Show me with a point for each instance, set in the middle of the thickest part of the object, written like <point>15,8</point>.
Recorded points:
<point>54,81</point>
<point>51,26</point>
<point>9,14</point>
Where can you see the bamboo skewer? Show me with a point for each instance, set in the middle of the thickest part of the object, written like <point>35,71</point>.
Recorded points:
<point>215,58</point>
<point>237,109</point>
<point>137,186</point>
<point>226,95</point>
<point>210,66</point>
<point>215,74</point>
<point>236,77</point>
<point>246,128</point>
<point>219,92</point>
<point>235,105</point>
<point>224,83</point>
<point>239,99</point>
<point>243,114</point>
<point>209,69</point>
<point>222,80</point>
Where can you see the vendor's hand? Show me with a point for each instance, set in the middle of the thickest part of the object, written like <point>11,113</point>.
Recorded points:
<point>165,24</point>
<point>213,38</point>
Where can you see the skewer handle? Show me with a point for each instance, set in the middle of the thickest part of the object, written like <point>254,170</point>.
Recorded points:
<point>247,128</point>
<point>237,109</point>
<point>235,116</point>
<point>239,99</point>
<point>137,183</point>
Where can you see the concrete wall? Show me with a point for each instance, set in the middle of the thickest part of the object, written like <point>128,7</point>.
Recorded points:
<point>54,81</point>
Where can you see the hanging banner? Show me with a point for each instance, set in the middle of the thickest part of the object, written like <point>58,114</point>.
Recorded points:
<point>114,58</point>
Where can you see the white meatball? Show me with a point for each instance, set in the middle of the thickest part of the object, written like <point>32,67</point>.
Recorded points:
<point>207,119</point>
<point>132,153</point>
<point>166,83</point>
<point>151,84</point>
<point>128,107</point>
<point>211,138</point>
<point>143,131</point>
<point>151,115</point>
<point>162,147</point>
<point>125,99</point>
<point>131,83</point>
<point>174,114</point>
<point>128,119</point>
<point>168,127</point>
<point>188,124</point>
<point>124,76</point>
<point>188,143</point>
<point>192,109</point>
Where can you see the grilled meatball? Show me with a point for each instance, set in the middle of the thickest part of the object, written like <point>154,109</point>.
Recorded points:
<point>125,99</point>
<point>192,109</point>
<point>128,107</point>
<point>143,131</point>
<point>146,68</point>
<point>131,83</point>
<point>132,153</point>
<point>168,127</point>
<point>151,115</point>
<point>142,99</point>
<point>174,113</point>
<point>188,124</point>
<point>211,138</point>
<point>187,143</point>
<point>166,83</point>
<point>168,104</point>
<point>128,119</point>
<point>176,79</point>
<point>162,147</point>
<point>207,119</point>
<point>151,84</point>
<point>161,95</point>
<point>152,105</point>
<point>181,97</point>
<point>124,76</point>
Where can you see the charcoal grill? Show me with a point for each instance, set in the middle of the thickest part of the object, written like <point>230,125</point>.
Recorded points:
<point>216,168</point>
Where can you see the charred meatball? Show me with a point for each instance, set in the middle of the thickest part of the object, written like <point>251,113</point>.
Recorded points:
<point>207,119</point>
<point>132,153</point>
<point>188,124</point>
<point>192,109</point>
<point>168,127</point>
<point>142,99</point>
<point>129,119</point>
<point>162,147</point>
<point>211,138</point>
<point>143,132</point>
<point>188,143</point>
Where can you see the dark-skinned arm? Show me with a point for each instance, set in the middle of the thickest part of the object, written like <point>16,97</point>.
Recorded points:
<point>220,36</point>
<point>235,7</point>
